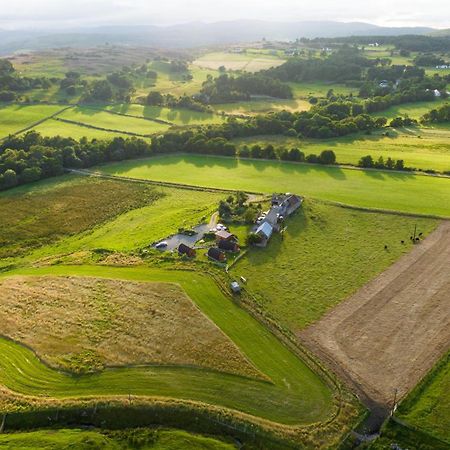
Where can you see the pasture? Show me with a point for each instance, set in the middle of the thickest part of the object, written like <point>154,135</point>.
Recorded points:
<point>414,110</point>
<point>296,395</point>
<point>421,148</point>
<point>181,117</point>
<point>14,117</point>
<point>249,61</point>
<point>102,119</point>
<point>305,90</point>
<point>428,406</point>
<point>364,188</point>
<point>107,320</point>
<point>41,213</point>
<point>263,105</point>
<point>326,254</point>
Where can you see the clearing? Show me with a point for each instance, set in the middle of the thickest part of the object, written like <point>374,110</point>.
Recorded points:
<point>389,334</point>
<point>366,188</point>
<point>103,327</point>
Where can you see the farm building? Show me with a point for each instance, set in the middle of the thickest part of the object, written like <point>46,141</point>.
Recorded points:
<point>184,249</point>
<point>228,246</point>
<point>216,254</point>
<point>286,203</point>
<point>265,231</point>
<point>224,235</point>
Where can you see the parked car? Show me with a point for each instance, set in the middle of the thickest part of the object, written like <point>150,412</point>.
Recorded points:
<point>162,244</point>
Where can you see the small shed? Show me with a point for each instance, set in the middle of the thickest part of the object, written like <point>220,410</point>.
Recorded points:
<point>184,249</point>
<point>224,235</point>
<point>216,254</point>
<point>228,246</point>
<point>265,230</point>
<point>235,287</point>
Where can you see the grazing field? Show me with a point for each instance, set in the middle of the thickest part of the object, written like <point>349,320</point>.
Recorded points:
<point>249,61</point>
<point>390,333</point>
<point>258,106</point>
<point>296,395</point>
<point>421,148</point>
<point>14,118</point>
<point>327,253</point>
<point>112,440</point>
<point>138,228</point>
<point>414,110</point>
<point>366,188</point>
<point>43,212</point>
<point>428,405</point>
<point>115,122</point>
<point>104,326</point>
<point>176,116</point>
<point>320,89</point>
<point>54,127</point>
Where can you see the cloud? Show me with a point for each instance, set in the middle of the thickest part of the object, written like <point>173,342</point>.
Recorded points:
<point>62,13</point>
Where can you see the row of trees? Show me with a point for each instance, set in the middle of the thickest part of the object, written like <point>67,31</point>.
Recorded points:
<point>441,114</point>
<point>391,164</point>
<point>155,98</point>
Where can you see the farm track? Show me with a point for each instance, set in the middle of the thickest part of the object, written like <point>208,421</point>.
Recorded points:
<point>389,334</point>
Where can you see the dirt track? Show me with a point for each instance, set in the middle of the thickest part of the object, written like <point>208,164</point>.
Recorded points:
<point>391,332</point>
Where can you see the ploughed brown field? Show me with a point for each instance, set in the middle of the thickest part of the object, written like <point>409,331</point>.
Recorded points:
<point>390,333</point>
<point>83,324</point>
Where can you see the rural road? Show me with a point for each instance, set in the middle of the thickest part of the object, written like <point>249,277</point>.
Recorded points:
<point>391,332</point>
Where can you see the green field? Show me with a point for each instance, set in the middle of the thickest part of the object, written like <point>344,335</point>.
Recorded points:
<point>14,118</point>
<point>54,127</point>
<point>414,110</point>
<point>421,148</point>
<point>428,405</point>
<point>250,61</point>
<point>102,119</point>
<point>325,255</point>
<point>319,89</point>
<point>133,439</point>
<point>295,396</point>
<point>365,188</point>
<point>264,105</point>
<point>176,116</point>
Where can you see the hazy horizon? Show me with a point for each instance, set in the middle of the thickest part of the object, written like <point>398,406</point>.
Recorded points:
<point>54,14</point>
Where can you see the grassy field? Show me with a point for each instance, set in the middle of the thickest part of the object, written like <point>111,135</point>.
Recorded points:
<point>366,188</point>
<point>14,118</point>
<point>180,117</point>
<point>103,327</point>
<point>102,119</point>
<point>296,394</point>
<point>263,106</point>
<point>327,253</point>
<point>40,213</point>
<point>414,110</point>
<point>138,228</point>
<point>54,127</point>
<point>428,406</point>
<point>250,61</point>
<point>133,439</point>
<point>421,148</point>
<point>319,89</point>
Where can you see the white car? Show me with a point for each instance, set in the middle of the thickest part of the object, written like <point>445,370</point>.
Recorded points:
<point>162,244</point>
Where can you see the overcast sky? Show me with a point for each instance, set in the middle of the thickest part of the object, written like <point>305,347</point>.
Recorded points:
<point>64,13</point>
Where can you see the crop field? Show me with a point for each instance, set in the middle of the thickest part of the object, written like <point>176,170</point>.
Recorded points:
<point>250,61</point>
<point>180,117</point>
<point>421,148</point>
<point>365,188</point>
<point>14,118</point>
<point>428,406</point>
<point>324,256</point>
<point>84,440</point>
<point>296,394</point>
<point>42,212</point>
<point>107,320</point>
<point>115,122</point>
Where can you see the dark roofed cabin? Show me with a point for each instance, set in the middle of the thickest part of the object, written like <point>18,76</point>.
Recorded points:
<point>216,254</point>
<point>223,235</point>
<point>228,246</point>
<point>184,249</point>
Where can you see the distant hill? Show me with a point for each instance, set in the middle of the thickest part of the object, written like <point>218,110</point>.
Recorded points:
<point>440,33</point>
<point>194,34</point>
